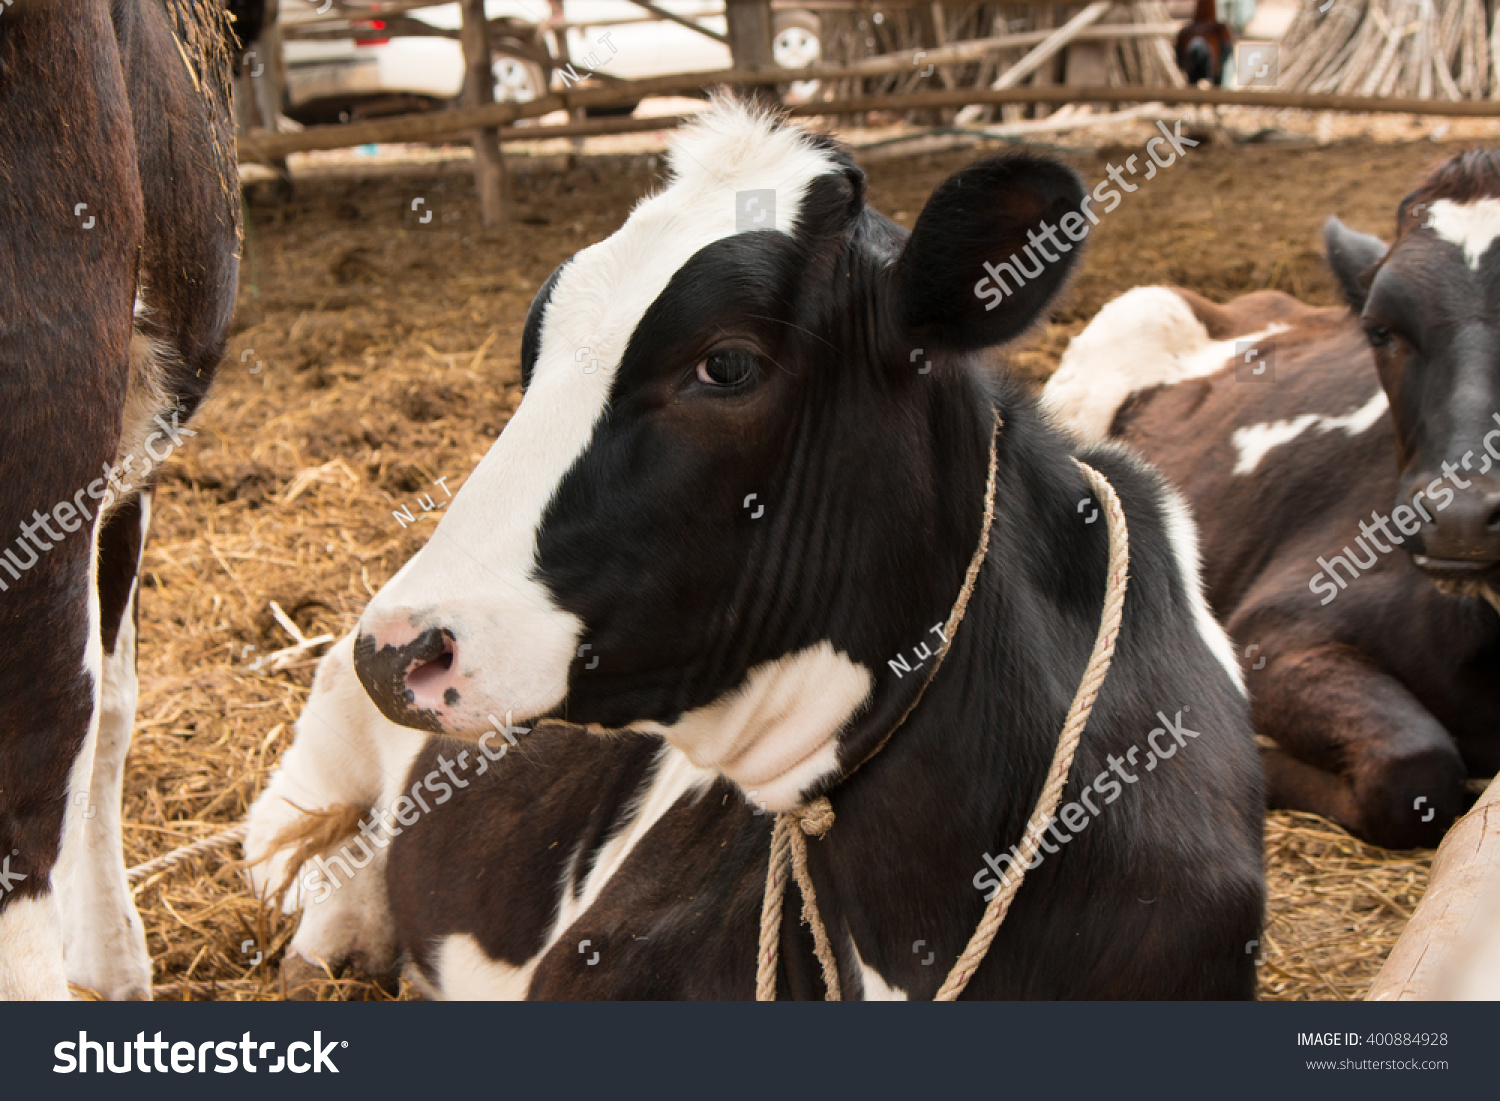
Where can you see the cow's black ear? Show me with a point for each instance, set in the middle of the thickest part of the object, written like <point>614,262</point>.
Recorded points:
<point>989,251</point>
<point>531,333</point>
<point>1352,257</point>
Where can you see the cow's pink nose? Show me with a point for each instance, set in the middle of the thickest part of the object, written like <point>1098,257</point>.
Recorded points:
<point>429,681</point>
<point>412,682</point>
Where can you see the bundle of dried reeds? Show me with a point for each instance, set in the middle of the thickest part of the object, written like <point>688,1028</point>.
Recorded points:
<point>1429,49</point>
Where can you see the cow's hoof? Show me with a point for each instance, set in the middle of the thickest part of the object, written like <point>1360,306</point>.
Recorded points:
<point>126,978</point>
<point>302,980</point>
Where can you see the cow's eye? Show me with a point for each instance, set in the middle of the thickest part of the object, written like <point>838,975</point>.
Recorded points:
<point>732,369</point>
<point>1379,336</point>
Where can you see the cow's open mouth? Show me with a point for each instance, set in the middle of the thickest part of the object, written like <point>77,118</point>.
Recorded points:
<point>1463,577</point>
<point>1457,569</point>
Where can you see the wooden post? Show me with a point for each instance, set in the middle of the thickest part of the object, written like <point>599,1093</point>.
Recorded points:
<point>750,33</point>
<point>260,89</point>
<point>270,86</point>
<point>479,90</point>
<point>1046,74</point>
<point>1449,948</point>
<point>1049,46</point>
<point>563,59</point>
<point>1087,62</point>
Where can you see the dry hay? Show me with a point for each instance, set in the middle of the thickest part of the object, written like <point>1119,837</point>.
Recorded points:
<point>372,358</point>
<point>1335,906</point>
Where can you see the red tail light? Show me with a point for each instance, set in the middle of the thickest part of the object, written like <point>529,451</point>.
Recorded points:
<point>361,29</point>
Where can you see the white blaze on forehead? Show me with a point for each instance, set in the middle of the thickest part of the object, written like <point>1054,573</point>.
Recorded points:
<point>1473,226</point>
<point>476,577</point>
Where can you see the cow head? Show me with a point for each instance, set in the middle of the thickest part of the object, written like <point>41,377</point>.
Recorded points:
<point>1430,307</point>
<point>747,470</point>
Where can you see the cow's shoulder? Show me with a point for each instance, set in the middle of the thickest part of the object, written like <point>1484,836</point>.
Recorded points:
<point>1165,563</point>
<point>1151,337</point>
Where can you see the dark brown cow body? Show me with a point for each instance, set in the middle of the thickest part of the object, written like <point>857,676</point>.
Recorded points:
<point>1380,691</point>
<point>118,257</point>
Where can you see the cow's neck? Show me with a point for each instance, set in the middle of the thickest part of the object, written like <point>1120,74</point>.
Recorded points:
<point>960,776</point>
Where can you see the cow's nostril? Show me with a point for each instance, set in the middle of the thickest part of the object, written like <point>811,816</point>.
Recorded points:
<point>406,680</point>
<point>1493,523</point>
<point>435,669</point>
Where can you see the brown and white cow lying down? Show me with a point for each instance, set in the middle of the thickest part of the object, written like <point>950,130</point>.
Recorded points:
<point>747,477</point>
<point>119,223</point>
<point>1344,468</point>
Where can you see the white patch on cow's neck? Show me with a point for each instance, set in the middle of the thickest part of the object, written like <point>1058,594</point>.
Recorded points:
<point>777,733</point>
<point>1473,226</point>
<point>1149,336</point>
<point>1255,441</point>
<point>476,575</point>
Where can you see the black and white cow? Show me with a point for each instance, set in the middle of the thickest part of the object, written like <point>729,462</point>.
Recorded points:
<point>118,258</point>
<point>742,488</point>
<point>1345,467</point>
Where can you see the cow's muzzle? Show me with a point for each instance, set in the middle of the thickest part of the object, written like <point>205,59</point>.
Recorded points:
<point>1462,541</point>
<point>412,681</point>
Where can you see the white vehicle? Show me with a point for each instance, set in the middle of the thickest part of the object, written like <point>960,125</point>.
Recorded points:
<point>358,66</point>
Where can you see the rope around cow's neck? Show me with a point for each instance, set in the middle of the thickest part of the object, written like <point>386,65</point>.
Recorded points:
<point>792,828</point>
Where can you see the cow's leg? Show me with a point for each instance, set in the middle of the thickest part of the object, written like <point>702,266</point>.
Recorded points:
<point>1354,745</point>
<point>347,758</point>
<point>31,951</point>
<point>104,940</point>
<point>69,248</point>
<point>49,714</point>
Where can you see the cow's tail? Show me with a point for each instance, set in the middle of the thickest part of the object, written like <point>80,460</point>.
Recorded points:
<point>312,833</point>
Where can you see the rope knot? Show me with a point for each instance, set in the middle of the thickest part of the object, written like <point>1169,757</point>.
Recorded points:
<point>816,818</point>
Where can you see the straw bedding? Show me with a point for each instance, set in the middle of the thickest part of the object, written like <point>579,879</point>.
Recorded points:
<point>373,357</point>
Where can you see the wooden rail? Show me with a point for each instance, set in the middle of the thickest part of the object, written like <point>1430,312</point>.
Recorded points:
<point>265,147</point>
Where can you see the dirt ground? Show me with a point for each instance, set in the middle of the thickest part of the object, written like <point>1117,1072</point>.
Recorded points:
<point>374,355</point>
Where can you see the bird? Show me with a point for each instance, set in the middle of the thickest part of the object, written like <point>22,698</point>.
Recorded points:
<point>1203,45</point>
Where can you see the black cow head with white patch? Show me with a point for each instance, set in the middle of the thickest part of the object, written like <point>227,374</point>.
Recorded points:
<point>747,472</point>
<point>1430,306</point>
